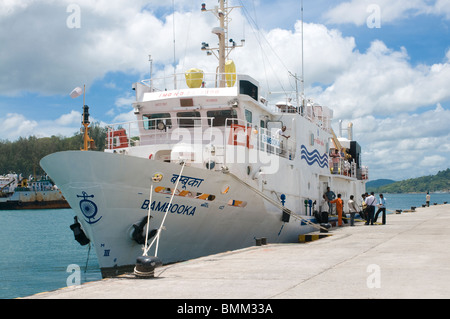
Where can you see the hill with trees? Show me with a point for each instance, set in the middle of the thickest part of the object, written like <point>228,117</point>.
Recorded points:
<point>373,185</point>
<point>433,183</point>
<point>23,156</point>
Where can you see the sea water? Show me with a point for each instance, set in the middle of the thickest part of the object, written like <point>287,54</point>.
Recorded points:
<point>37,247</point>
<point>406,201</point>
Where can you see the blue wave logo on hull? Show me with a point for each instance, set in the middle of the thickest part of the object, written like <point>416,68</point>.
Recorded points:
<point>314,157</point>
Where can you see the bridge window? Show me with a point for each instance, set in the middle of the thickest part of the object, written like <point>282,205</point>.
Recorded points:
<point>248,116</point>
<point>151,121</point>
<point>188,119</point>
<point>220,117</point>
<point>248,88</point>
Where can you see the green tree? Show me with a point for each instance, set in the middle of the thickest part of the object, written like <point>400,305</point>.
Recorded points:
<point>23,156</point>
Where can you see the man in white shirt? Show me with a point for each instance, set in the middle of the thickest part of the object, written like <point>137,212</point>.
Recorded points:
<point>281,131</point>
<point>281,136</point>
<point>382,209</point>
<point>353,209</point>
<point>370,202</point>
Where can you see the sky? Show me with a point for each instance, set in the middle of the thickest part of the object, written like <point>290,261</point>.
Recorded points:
<point>382,65</point>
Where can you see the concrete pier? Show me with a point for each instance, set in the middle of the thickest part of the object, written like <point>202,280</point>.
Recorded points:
<point>409,257</point>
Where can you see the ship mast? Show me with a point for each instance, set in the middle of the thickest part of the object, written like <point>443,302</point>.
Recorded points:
<point>222,13</point>
<point>303,67</point>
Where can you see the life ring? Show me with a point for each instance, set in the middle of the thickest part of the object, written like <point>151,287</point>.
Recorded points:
<point>150,156</point>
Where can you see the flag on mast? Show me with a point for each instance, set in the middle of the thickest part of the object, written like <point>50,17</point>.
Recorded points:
<point>76,92</point>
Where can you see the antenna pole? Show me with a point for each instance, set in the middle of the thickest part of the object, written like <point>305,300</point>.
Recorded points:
<point>151,72</point>
<point>303,69</point>
<point>174,52</point>
<point>222,52</point>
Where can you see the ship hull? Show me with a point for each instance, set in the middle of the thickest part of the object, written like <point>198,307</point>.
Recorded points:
<point>110,193</point>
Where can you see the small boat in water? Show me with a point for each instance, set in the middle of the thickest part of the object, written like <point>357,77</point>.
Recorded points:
<point>21,193</point>
<point>211,162</point>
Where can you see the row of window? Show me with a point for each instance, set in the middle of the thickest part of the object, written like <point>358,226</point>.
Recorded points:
<point>188,119</point>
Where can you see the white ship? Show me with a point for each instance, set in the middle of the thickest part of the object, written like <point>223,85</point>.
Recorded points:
<point>210,164</point>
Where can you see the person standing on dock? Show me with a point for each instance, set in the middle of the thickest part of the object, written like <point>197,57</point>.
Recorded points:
<point>381,208</point>
<point>428,197</point>
<point>363,212</point>
<point>370,202</point>
<point>353,209</point>
<point>339,206</point>
<point>329,196</point>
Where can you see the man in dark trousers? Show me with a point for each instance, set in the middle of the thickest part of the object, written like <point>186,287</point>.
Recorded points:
<point>370,202</point>
<point>382,209</point>
<point>329,196</point>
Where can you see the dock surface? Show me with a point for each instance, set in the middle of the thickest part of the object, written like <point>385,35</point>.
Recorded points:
<point>409,257</point>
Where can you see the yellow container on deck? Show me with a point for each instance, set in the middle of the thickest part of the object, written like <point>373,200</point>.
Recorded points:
<point>230,70</point>
<point>194,78</point>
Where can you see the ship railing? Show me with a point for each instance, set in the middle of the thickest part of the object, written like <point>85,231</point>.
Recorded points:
<point>243,133</point>
<point>168,130</point>
<point>190,80</point>
<point>318,114</point>
<point>219,131</point>
<point>341,166</point>
<point>363,173</point>
<point>344,167</point>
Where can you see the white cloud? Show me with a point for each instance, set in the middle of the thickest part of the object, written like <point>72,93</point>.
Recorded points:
<point>441,7</point>
<point>383,82</point>
<point>52,58</point>
<point>125,101</point>
<point>125,117</point>
<point>433,160</point>
<point>16,125</point>
<point>73,117</point>
<point>404,146</point>
<point>359,11</point>
<point>273,54</point>
<point>8,7</point>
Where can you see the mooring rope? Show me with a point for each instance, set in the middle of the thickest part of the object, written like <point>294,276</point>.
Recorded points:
<point>87,259</point>
<point>158,234</point>
<point>148,221</point>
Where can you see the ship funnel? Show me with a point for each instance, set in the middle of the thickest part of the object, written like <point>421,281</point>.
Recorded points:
<point>350,131</point>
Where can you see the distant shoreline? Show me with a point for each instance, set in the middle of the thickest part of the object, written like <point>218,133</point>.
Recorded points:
<point>436,192</point>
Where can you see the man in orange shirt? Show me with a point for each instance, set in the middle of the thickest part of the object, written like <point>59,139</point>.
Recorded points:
<point>339,206</point>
